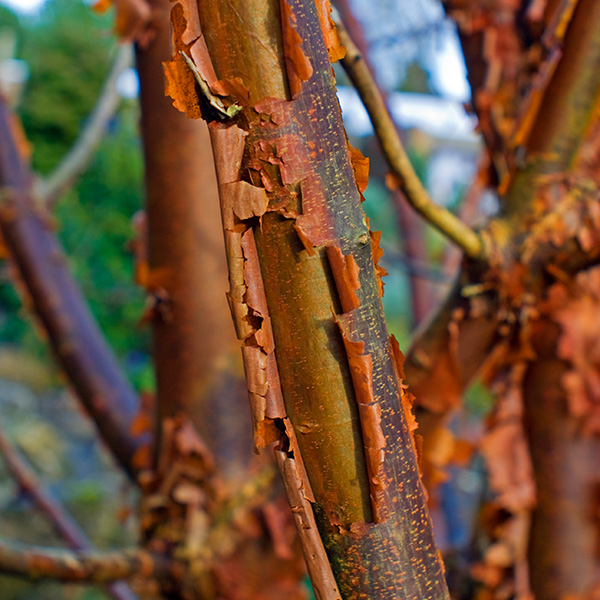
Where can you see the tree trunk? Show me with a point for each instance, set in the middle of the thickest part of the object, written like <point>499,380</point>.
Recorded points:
<point>300,258</point>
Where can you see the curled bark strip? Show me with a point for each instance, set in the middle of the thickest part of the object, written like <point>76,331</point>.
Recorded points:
<point>323,581</point>
<point>72,332</point>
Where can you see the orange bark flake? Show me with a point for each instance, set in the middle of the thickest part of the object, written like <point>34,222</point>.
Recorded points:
<point>369,411</point>
<point>297,63</point>
<point>332,38</point>
<point>187,16</point>
<point>360,166</point>
<point>181,86</point>
<point>375,237</point>
<point>345,272</point>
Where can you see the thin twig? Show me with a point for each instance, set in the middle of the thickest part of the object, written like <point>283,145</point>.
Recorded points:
<point>410,226</point>
<point>395,154</point>
<point>75,162</point>
<point>81,566</point>
<point>60,518</point>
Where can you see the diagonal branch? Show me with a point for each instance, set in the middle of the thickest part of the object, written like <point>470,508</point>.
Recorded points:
<point>75,162</point>
<point>63,522</point>
<point>410,225</point>
<point>35,562</point>
<point>72,332</point>
<point>395,154</point>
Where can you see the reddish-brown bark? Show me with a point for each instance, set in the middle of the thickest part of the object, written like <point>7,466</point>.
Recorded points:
<point>563,549</point>
<point>299,250</point>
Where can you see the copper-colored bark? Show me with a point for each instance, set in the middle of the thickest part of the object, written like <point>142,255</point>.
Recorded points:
<point>289,198</point>
<point>78,344</point>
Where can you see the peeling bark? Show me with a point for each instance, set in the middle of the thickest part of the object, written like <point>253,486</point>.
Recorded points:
<point>301,262</point>
<point>197,375</point>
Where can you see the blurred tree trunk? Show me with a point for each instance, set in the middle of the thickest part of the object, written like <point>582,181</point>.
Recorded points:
<point>186,276</point>
<point>533,68</point>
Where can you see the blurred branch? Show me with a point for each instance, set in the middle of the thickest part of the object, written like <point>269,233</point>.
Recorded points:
<point>72,332</point>
<point>35,562</point>
<point>414,266</point>
<point>48,190</point>
<point>395,154</point>
<point>410,225</point>
<point>62,521</point>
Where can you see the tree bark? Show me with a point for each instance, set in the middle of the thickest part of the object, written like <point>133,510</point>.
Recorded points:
<point>299,250</point>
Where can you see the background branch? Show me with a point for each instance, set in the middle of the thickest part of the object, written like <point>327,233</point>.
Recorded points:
<point>395,154</point>
<point>35,562</point>
<point>48,190</point>
<point>60,518</point>
<point>72,332</point>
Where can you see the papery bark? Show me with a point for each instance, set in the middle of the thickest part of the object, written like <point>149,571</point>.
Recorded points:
<point>299,250</point>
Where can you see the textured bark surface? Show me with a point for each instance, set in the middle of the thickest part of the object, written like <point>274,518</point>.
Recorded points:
<point>53,296</point>
<point>304,291</point>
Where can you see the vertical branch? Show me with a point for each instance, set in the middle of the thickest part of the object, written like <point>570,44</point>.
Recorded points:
<point>192,334</point>
<point>72,332</point>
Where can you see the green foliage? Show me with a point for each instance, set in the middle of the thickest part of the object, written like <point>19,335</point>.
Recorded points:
<point>68,51</point>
